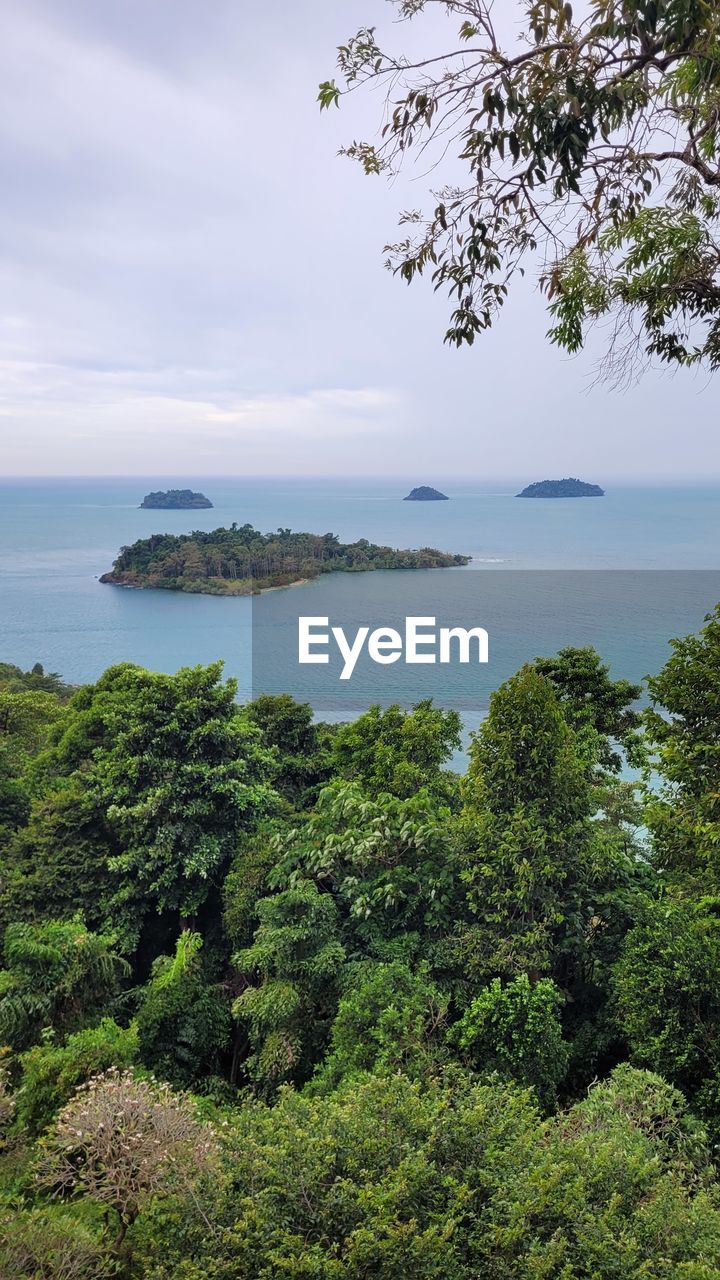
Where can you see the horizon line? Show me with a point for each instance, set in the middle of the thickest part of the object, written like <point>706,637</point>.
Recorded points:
<point>400,478</point>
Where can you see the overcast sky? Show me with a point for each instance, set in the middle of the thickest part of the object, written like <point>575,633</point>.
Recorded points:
<point>191,280</point>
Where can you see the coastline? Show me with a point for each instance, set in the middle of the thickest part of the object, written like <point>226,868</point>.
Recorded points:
<point>106,581</point>
<point>286,586</point>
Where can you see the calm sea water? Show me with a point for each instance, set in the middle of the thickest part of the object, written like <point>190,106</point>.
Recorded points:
<point>58,536</point>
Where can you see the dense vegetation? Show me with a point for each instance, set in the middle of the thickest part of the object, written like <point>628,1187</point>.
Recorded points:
<point>14,680</point>
<point>175,500</point>
<point>580,141</point>
<point>241,561</point>
<point>285,999</point>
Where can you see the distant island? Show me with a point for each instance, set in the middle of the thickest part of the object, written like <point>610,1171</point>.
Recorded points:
<point>569,488</point>
<point>424,493</point>
<point>240,561</point>
<point>175,500</point>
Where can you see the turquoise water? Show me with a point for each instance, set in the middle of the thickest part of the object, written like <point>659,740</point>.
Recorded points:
<point>58,536</point>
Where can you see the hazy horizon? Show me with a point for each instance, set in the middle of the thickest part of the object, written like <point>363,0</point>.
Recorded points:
<point>400,477</point>
<point>188,272</point>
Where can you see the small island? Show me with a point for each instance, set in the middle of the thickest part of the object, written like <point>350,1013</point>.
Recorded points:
<point>175,500</point>
<point>240,561</point>
<point>569,488</point>
<point>424,493</point>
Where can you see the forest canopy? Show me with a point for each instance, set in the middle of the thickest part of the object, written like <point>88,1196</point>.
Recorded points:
<point>286,998</point>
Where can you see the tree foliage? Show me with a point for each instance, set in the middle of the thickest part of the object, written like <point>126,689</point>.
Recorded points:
<point>387,1177</point>
<point>49,1241</point>
<point>516,1031</point>
<point>50,1073</point>
<point>596,707</point>
<point>396,752</point>
<point>297,956</point>
<point>183,1020</point>
<point>528,848</point>
<point>302,747</point>
<point>437,1023</point>
<point>666,987</point>
<point>684,728</point>
<point>172,773</point>
<point>578,143</point>
<point>391,1018</point>
<point>389,863</point>
<point>55,974</point>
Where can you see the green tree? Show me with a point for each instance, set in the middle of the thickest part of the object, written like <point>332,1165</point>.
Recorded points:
<point>14,801</point>
<point>389,863</point>
<point>25,720</point>
<point>389,1178</point>
<point>397,752</point>
<point>51,1240</point>
<point>667,997</point>
<point>27,716</point>
<point>56,974</point>
<point>619,888</point>
<point>684,728</point>
<point>298,958</point>
<point>589,149</point>
<point>173,772</point>
<point>303,748</point>
<point>60,859</point>
<point>594,704</point>
<point>14,680</point>
<point>183,1021</point>
<point>249,880</point>
<point>618,1187</point>
<point>50,1073</point>
<point>390,1018</point>
<point>383,1178</point>
<point>516,1030</point>
<point>528,838</point>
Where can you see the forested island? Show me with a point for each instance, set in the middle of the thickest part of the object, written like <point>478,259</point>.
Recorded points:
<point>425,493</point>
<point>283,998</point>
<point>175,500</point>
<point>242,561</point>
<point>568,488</point>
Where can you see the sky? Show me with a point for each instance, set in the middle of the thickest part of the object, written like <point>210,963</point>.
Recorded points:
<point>192,282</point>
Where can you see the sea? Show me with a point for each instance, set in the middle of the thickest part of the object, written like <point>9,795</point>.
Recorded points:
<point>57,536</point>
